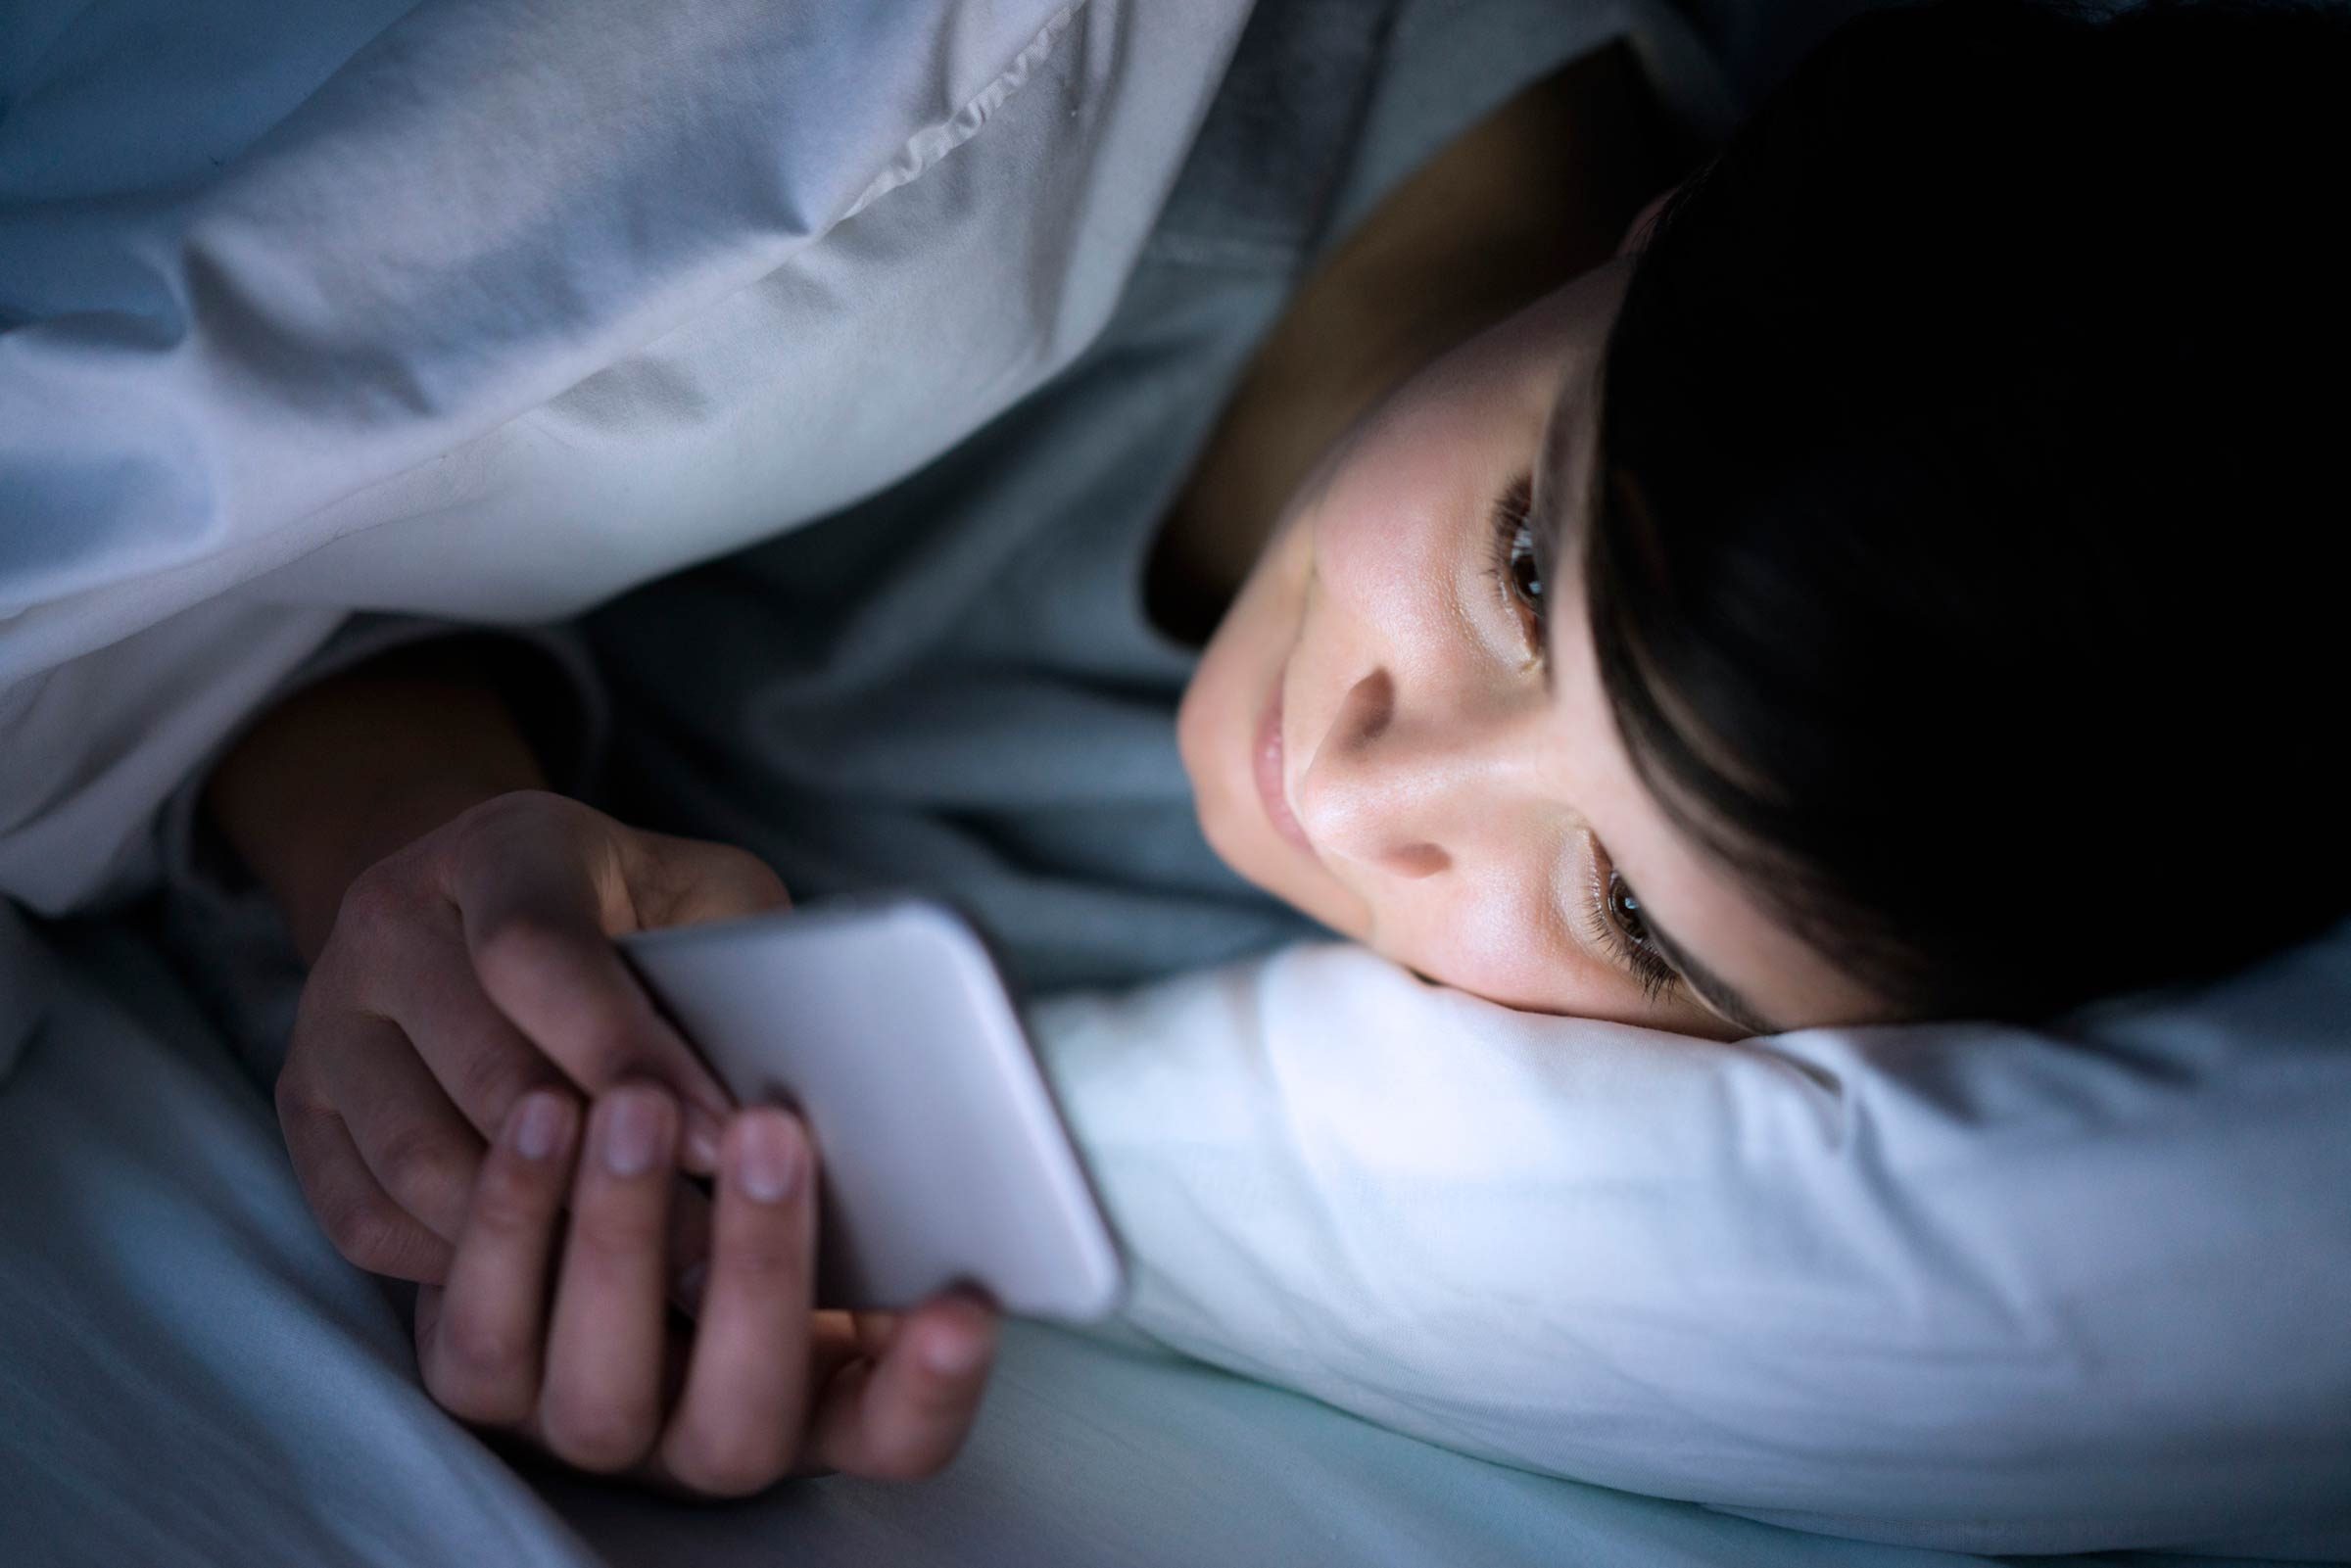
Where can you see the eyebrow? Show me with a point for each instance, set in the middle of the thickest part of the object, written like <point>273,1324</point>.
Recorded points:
<point>1711,987</point>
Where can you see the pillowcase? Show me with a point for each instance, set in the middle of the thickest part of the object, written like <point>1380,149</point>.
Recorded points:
<point>1962,1286</point>
<point>470,309</point>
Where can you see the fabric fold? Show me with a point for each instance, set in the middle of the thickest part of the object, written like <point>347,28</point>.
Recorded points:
<point>470,309</point>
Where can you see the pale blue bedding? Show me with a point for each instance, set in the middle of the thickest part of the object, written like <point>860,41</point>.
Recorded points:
<point>189,1374</point>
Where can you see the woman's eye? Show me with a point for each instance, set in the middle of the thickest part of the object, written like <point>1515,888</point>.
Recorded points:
<point>1624,910</point>
<point>1614,919</point>
<point>1516,571</point>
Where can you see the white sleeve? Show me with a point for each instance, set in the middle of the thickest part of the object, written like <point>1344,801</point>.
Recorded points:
<point>1960,1286</point>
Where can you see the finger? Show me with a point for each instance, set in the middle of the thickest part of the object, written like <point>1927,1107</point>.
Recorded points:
<point>837,1337</point>
<point>833,1345</point>
<point>482,1062</point>
<point>427,1315</point>
<point>686,882</point>
<point>419,1149</point>
<point>541,906</point>
<point>481,1359</point>
<point>600,1408</point>
<point>905,1416</point>
<point>358,1217</point>
<point>874,1331</point>
<point>737,1427</point>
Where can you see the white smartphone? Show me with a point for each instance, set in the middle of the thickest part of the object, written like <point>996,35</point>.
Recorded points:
<point>943,1154</point>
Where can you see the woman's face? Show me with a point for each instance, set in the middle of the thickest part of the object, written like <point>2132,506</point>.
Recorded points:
<point>1398,728</point>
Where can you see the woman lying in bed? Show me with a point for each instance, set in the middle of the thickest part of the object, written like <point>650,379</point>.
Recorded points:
<point>1890,588</point>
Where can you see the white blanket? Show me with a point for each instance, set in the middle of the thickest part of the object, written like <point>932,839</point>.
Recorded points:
<point>488,309</point>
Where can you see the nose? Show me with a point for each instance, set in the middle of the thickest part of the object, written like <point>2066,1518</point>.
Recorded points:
<point>1407,793</point>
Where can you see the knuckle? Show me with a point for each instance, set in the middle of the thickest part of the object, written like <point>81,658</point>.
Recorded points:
<point>598,1435</point>
<point>480,1371</point>
<point>521,826</point>
<point>376,899</point>
<point>516,810</point>
<point>367,1232</point>
<point>758,878</point>
<point>609,1049</point>
<point>510,1202</point>
<point>477,1350</point>
<point>419,1162</point>
<point>518,950</point>
<point>291,1095</point>
<point>763,1260</point>
<point>734,1465</point>
<point>329,992</point>
<point>611,1231</point>
<point>491,1077</point>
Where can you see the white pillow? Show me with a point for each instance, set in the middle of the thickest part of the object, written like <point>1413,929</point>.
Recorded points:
<point>492,308</point>
<point>1960,1286</point>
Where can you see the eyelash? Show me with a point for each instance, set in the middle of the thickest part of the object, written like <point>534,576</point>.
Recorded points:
<point>1646,964</point>
<point>1513,549</point>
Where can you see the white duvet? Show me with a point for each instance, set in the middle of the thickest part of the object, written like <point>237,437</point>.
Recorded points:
<point>488,309</point>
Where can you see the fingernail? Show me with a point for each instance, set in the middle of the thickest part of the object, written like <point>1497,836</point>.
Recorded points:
<point>953,1354</point>
<point>636,1132</point>
<point>768,1156</point>
<point>539,1125</point>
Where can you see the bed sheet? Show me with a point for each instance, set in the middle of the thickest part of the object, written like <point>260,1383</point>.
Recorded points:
<point>1089,1452</point>
<point>188,1374</point>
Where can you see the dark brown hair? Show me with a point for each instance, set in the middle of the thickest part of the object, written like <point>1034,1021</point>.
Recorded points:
<point>1965,565</point>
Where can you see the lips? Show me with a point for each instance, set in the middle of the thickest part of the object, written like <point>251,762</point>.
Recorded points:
<point>1267,763</point>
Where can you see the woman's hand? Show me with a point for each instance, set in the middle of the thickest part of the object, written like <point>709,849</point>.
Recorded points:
<point>766,1387</point>
<point>469,970</point>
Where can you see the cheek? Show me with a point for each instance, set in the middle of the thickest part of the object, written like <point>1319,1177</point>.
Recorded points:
<point>1492,943</point>
<point>1511,953</point>
<point>1507,949</point>
<point>1216,734</point>
<point>1244,656</point>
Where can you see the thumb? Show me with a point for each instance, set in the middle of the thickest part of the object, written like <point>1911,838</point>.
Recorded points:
<point>540,902</point>
<point>686,881</point>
